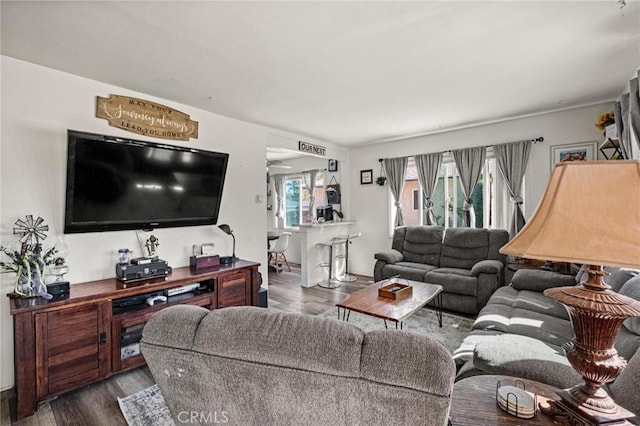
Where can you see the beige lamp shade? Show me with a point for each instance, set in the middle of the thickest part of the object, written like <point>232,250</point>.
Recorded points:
<point>590,213</point>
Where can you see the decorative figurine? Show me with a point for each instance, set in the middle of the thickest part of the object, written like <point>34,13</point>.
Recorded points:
<point>151,244</point>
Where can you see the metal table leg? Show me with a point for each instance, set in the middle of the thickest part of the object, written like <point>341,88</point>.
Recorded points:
<point>439,308</point>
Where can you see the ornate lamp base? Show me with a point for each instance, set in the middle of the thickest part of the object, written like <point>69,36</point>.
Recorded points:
<point>596,313</point>
<point>578,415</point>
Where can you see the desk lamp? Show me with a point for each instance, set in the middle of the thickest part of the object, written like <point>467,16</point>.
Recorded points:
<point>589,214</point>
<point>227,230</point>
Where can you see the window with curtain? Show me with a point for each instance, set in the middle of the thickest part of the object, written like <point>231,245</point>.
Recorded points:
<point>448,198</point>
<point>296,200</point>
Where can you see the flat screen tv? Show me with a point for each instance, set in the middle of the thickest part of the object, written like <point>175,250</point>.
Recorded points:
<point>116,184</point>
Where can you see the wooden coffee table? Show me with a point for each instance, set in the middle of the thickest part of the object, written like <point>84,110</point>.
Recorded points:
<point>367,301</point>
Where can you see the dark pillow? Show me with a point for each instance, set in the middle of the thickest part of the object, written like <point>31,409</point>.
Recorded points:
<point>540,280</point>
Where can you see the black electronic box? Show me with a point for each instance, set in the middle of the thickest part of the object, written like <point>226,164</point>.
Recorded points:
<point>126,272</point>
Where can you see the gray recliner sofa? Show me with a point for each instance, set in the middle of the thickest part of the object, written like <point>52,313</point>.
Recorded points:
<point>466,262</point>
<point>254,366</point>
<point>521,332</point>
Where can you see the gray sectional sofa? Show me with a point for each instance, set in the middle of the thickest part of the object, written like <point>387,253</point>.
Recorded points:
<point>466,262</point>
<point>520,332</point>
<point>254,366</point>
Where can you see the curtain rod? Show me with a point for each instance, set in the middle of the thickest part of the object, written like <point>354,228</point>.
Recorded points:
<point>536,140</point>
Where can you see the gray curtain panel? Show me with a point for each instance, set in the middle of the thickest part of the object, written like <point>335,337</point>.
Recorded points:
<point>625,136</point>
<point>469,163</point>
<point>396,169</point>
<point>309,179</point>
<point>625,144</point>
<point>278,183</point>
<point>428,166</point>
<point>512,159</point>
<point>634,110</point>
<point>627,115</point>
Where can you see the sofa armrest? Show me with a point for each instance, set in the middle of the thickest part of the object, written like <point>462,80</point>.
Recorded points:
<point>540,280</point>
<point>390,256</point>
<point>486,267</point>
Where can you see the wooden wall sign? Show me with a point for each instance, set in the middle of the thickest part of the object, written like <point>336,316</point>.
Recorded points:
<point>146,118</point>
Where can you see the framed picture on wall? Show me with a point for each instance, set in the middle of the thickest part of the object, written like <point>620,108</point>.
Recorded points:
<point>333,166</point>
<point>366,176</point>
<point>584,151</point>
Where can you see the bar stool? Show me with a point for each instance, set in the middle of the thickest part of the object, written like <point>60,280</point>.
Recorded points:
<point>347,240</point>
<point>331,282</point>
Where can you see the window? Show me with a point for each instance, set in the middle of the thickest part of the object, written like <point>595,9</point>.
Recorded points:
<point>448,198</point>
<point>296,200</point>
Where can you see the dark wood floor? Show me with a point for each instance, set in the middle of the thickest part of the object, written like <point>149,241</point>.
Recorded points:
<point>98,405</point>
<point>286,294</point>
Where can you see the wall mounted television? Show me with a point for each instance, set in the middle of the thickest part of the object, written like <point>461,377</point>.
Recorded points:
<point>121,184</point>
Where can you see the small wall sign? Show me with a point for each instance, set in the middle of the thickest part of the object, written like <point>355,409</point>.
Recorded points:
<point>146,118</point>
<point>311,148</point>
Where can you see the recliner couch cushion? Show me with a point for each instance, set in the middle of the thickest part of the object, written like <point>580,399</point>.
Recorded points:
<point>464,247</point>
<point>454,280</point>
<point>264,367</point>
<point>408,270</point>
<point>422,244</point>
<point>520,356</point>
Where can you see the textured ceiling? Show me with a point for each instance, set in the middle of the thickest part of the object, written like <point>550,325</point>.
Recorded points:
<point>345,72</point>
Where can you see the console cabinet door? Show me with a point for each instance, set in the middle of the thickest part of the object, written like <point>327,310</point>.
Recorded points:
<point>71,347</point>
<point>234,289</point>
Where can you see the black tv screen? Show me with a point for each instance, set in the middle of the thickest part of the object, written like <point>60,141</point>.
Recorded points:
<point>117,184</point>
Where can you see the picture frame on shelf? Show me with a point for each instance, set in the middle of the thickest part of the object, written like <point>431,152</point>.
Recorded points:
<point>366,177</point>
<point>583,151</point>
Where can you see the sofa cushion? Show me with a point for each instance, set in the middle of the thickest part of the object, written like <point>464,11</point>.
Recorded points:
<point>530,358</point>
<point>464,352</point>
<point>464,247</point>
<point>538,302</point>
<point>389,256</point>
<point>486,267</point>
<point>625,390</point>
<point>627,343</point>
<point>540,280</point>
<point>422,244</point>
<point>632,289</point>
<point>504,296</point>
<point>407,270</point>
<point>453,280</point>
<point>618,277</point>
<point>549,329</point>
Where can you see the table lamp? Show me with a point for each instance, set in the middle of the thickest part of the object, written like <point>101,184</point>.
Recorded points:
<point>589,214</point>
<point>227,230</point>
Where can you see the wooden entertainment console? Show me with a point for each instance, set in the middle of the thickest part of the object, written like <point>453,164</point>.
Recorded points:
<point>66,343</point>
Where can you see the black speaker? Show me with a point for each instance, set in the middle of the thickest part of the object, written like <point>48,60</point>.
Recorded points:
<point>262,298</point>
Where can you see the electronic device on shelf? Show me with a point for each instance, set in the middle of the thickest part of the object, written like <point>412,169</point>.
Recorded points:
<point>128,272</point>
<point>138,299</point>
<point>156,300</point>
<point>182,289</point>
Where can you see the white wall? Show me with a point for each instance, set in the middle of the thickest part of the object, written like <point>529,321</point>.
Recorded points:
<point>370,203</point>
<point>40,104</point>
